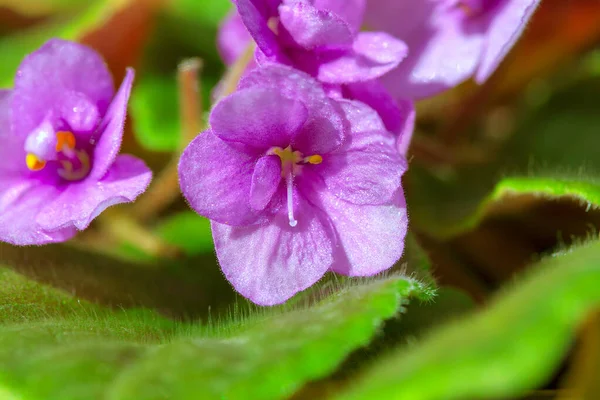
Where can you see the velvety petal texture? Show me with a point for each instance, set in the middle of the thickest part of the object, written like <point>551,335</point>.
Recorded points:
<point>324,129</point>
<point>111,128</point>
<point>44,76</point>
<point>296,183</point>
<point>61,130</point>
<point>270,263</point>
<point>312,28</point>
<point>256,15</point>
<point>20,204</point>
<point>351,11</point>
<point>373,55</point>
<point>320,37</point>
<point>379,242</point>
<point>368,168</point>
<point>215,178</point>
<point>81,202</point>
<point>258,117</point>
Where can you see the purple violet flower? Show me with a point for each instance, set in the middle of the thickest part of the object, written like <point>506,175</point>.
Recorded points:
<point>296,184</point>
<point>61,129</point>
<point>449,40</point>
<point>320,37</point>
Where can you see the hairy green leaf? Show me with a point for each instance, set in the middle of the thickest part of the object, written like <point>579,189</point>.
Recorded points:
<point>83,351</point>
<point>555,152</point>
<point>511,347</point>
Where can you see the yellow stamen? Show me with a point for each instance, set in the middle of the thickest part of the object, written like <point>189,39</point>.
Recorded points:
<point>291,165</point>
<point>273,24</point>
<point>34,163</point>
<point>314,159</point>
<point>65,139</point>
<point>287,155</point>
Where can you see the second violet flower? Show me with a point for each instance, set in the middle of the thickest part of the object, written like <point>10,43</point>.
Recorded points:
<point>296,184</point>
<point>61,129</point>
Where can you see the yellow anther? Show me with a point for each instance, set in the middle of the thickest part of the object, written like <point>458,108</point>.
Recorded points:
<point>34,163</point>
<point>287,155</point>
<point>65,139</point>
<point>315,159</point>
<point>273,24</point>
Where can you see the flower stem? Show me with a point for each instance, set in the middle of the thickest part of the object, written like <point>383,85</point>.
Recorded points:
<point>122,228</point>
<point>234,73</point>
<point>165,188</point>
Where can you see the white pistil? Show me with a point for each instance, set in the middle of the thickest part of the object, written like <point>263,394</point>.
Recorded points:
<point>290,200</point>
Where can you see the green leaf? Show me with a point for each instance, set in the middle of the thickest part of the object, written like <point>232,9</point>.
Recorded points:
<point>511,347</point>
<point>71,27</point>
<point>83,351</point>
<point>155,111</point>
<point>188,288</point>
<point>188,231</point>
<point>195,23</point>
<point>555,152</point>
<point>581,189</point>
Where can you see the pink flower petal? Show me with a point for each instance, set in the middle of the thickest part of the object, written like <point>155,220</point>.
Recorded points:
<point>20,202</point>
<point>312,28</point>
<point>351,11</point>
<point>375,54</point>
<point>371,237</point>
<point>507,24</point>
<point>367,169</point>
<point>111,129</point>
<point>270,263</point>
<point>265,181</point>
<point>215,179</point>
<point>324,130</point>
<point>83,201</point>
<point>409,115</point>
<point>58,67</point>
<point>259,117</point>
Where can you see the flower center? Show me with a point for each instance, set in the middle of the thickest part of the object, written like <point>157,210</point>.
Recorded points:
<point>291,165</point>
<point>75,163</point>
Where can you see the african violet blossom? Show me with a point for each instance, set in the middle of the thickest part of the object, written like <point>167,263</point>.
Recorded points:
<point>322,38</point>
<point>449,40</point>
<point>61,128</point>
<point>296,184</point>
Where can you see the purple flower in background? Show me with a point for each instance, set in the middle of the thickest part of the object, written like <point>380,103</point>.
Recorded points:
<point>449,40</point>
<point>232,38</point>
<point>322,38</point>
<point>296,184</point>
<point>61,129</point>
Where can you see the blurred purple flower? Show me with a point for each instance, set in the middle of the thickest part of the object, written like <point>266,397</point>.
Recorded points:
<point>232,38</point>
<point>61,129</point>
<point>296,184</point>
<point>449,40</point>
